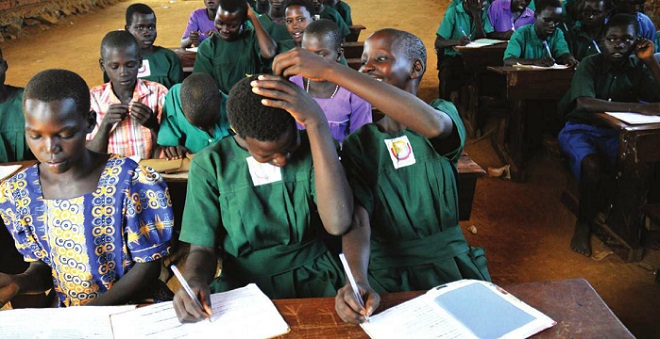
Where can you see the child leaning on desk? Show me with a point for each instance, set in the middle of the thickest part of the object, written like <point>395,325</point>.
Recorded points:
<point>540,44</point>
<point>93,226</point>
<point>612,81</point>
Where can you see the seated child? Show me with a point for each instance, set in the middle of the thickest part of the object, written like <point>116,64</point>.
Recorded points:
<point>298,14</point>
<point>635,7</point>
<point>237,51</point>
<point>462,23</point>
<point>92,226</point>
<point>540,44</point>
<point>273,21</point>
<point>508,15</point>
<point>194,116</point>
<point>13,146</point>
<point>159,64</point>
<point>343,9</point>
<point>127,108</point>
<point>327,12</point>
<point>200,25</point>
<point>402,171</point>
<point>345,111</point>
<point>584,36</point>
<point>610,81</point>
<point>262,199</point>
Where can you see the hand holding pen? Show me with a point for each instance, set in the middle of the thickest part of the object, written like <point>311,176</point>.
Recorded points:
<point>349,303</point>
<point>465,39</point>
<point>191,304</point>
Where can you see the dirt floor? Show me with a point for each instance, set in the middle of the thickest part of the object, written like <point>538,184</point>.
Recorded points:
<point>523,227</point>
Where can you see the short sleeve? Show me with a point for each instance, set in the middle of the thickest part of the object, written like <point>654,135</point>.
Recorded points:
<point>494,13</point>
<point>360,113</point>
<point>169,133</point>
<point>447,25</point>
<point>192,25</point>
<point>561,47</point>
<point>582,84</point>
<point>149,220</point>
<point>357,173</point>
<point>11,222</point>
<point>448,108</point>
<point>514,48</point>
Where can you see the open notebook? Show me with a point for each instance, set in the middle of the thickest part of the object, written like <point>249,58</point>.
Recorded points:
<point>461,309</point>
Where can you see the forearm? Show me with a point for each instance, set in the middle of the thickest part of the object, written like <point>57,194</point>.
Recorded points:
<point>356,245</point>
<point>521,61</point>
<point>499,35</point>
<point>35,280</point>
<point>201,264</point>
<point>138,279</point>
<point>479,33</point>
<point>442,43</point>
<point>99,143</point>
<point>594,105</point>
<point>266,43</point>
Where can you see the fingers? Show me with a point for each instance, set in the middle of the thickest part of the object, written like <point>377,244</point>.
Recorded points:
<point>345,306</point>
<point>172,152</point>
<point>140,112</point>
<point>187,310</point>
<point>372,302</point>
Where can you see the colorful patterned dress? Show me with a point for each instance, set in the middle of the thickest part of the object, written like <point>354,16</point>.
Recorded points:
<point>93,240</point>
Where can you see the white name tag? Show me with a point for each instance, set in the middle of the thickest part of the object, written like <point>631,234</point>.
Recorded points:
<point>263,173</point>
<point>145,70</point>
<point>400,151</point>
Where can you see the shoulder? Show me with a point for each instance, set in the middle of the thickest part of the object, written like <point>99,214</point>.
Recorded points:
<point>210,159</point>
<point>98,90</point>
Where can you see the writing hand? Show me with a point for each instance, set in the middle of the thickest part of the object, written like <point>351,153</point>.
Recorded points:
<point>186,309</point>
<point>349,309</point>
<point>464,40</point>
<point>545,61</point>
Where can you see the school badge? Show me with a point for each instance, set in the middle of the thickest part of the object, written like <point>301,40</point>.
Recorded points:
<point>263,173</point>
<point>145,70</point>
<point>400,151</point>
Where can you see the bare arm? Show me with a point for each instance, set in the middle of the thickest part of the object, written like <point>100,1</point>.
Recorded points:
<point>442,43</point>
<point>266,43</point>
<point>139,278</point>
<point>35,280</point>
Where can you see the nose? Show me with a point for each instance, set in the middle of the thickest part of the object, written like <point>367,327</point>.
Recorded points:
<point>52,146</point>
<point>280,159</point>
<point>367,67</point>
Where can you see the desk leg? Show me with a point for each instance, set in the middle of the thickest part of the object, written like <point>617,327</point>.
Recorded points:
<point>473,104</point>
<point>509,140</point>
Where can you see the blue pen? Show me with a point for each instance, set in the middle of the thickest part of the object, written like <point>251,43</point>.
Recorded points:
<point>462,31</point>
<point>596,45</point>
<point>547,48</point>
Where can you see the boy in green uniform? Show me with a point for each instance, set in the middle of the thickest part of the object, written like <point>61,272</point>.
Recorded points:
<point>263,198</point>
<point>327,12</point>
<point>194,116</point>
<point>584,36</point>
<point>343,9</point>
<point>541,44</point>
<point>402,171</point>
<point>611,81</point>
<point>237,51</point>
<point>159,64</point>
<point>273,21</point>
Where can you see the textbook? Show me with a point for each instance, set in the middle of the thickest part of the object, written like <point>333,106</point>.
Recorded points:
<point>635,118</point>
<point>461,309</point>
<point>555,66</point>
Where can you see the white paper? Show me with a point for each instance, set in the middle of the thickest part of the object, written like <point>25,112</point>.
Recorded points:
<point>6,171</point>
<point>461,309</point>
<point>241,313</point>
<point>635,118</point>
<point>555,66</point>
<point>483,42</point>
<point>60,323</point>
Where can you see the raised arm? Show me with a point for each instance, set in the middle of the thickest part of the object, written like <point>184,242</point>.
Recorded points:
<point>267,45</point>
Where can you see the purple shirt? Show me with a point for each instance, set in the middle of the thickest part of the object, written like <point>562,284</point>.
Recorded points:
<point>346,112</point>
<point>199,21</point>
<point>501,17</point>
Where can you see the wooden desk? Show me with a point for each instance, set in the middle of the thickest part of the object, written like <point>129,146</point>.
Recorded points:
<point>355,32</point>
<point>573,304</point>
<point>187,60</point>
<point>523,85</point>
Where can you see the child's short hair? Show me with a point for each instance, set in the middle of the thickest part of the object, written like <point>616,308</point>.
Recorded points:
<point>325,27</point>
<point>543,4</point>
<point>199,91</point>
<point>407,43</point>
<point>302,3</point>
<point>249,118</point>
<point>137,8</point>
<point>58,84</point>
<point>234,6</point>
<point>119,39</point>
<point>622,20</point>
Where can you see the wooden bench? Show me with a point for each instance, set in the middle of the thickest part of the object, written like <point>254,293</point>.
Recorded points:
<point>355,32</point>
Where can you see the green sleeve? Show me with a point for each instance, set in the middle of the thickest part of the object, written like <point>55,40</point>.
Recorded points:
<point>204,59</point>
<point>448,108</point>
<point>582,84</point>
<point>169,133</point>
<point>447,26</point>
<point>560,46</point>
<point>356,172</point>
<point>514,48</point>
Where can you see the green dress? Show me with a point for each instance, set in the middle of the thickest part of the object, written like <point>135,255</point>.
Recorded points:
<point>176,130</point>
<point>229,61</point>
<point>162,66</point>
<point>416,241</point>
<point>332,14</point>
<point>13,146</point>
<point>277,32</point>
<point>268,234</point>
<point>525,44</point>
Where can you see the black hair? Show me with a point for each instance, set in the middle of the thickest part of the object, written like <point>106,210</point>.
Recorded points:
<point>119,39</point>
<point>302,3</point>
<point>326,28</point>
<point>623,20</point>
<point>249,118</point>
<point>58,84</point>
<point>234,6</point>
<point>407,43</point>
<point>137,8</point>
<point>543,4</point>
<point>200,98</point>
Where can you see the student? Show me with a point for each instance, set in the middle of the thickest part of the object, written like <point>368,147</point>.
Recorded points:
<point>263,198</point>
<point>327,12</point>
<point>127,108</point>
<point>237,51</point>
<point>402,170</point>
<point>610,81</point>
<point>584,36</point>
<point>462,23</point>
<point>343,9</point>
<point>13,146</point>
<point>194,116</point>
<point>259,6</point>
<point>273,21</point>
<point>298,14</point>
<point>159,64</point>
<point>92,226</point>
<point>200,25</point>
<point>645,24</point>
<point>345,111</point>
<point>540,44</point>
<point>507,16</point>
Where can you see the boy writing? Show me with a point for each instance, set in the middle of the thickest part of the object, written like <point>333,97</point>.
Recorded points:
<point>610,81</point>
<point>508,15</point>
<point>584,36</point>
<point>92,226</point>
<point>194,116</point>
<point>200,24</point>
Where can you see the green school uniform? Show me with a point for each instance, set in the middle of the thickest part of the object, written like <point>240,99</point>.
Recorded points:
<point>526,44</point>
<point>176,130</point>
<point>13,146</point>
<point>332,14</point>
<point>277,32</point>
<point>456,18</point>
<point>416,241</point>
<point>344,11</point>
<point>229,61</point>
<point>268,234</point>
<point>580,43</point>
<point>595,78</point>
<point>162,66</point>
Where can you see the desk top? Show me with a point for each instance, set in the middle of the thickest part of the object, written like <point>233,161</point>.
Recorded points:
<point>511,69</point>
<point>573,304</point>
<point>618,124</point>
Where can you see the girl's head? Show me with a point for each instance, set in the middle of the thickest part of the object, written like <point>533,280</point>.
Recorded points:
<point>298,14</point>
<point>230,18</point>
<point>324,38</point>
<point>57,113</point>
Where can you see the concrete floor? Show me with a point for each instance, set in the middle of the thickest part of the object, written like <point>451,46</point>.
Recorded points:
<point>523,227</point>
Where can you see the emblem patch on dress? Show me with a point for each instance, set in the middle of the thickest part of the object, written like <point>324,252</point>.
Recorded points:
<point>400,151</point>
<point>263,173</point>
<point>145,70</point>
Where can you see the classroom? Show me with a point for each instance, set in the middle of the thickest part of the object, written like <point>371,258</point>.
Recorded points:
<point>522,209</point>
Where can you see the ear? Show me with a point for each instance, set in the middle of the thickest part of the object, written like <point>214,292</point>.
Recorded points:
<point>91,121</point>
<point>417,69</point>
<point>126,28</point>
<point>101,64</point>
<point>340,52</point>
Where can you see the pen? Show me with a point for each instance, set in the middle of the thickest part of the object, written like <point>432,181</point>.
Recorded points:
<point>462,31</point>
<point>186,287</point>
<point>596,45</point>
<point>351,280</point>
<point>547,48</point>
